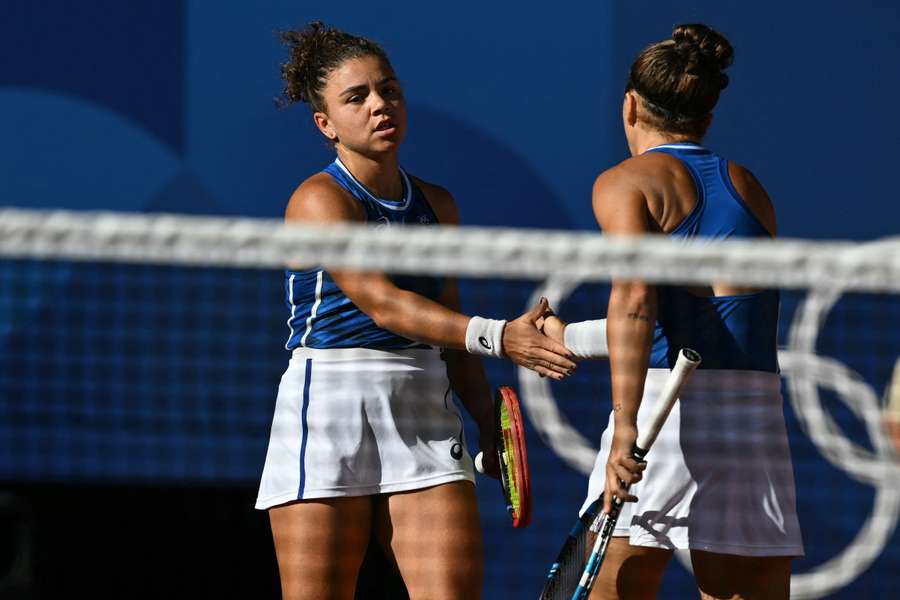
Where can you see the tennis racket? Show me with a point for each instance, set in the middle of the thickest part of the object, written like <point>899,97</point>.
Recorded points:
<point>892,395</point>
<point>567,568</point>
<point>890,414</point>
<point>570,576</point>
<point>512,456</point>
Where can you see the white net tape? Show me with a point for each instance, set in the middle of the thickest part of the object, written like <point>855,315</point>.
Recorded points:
<point>468,252</point>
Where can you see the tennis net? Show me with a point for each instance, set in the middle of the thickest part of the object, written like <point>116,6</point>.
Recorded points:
<point>147,348</point>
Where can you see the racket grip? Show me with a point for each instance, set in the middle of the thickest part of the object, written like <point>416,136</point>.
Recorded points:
<point>479,462</point>
<point>687,362</point>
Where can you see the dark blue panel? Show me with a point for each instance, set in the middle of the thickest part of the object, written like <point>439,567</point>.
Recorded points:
<point>127,56</point>
<point>802,107</point>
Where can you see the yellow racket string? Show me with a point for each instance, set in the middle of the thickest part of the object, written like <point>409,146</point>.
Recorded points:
<point>509,460</point>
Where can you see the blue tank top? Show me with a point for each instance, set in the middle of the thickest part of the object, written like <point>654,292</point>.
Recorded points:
<point>322,316</point>
<point>729,332</point>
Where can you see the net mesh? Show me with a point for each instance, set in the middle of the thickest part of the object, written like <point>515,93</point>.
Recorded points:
<point>148,349</point>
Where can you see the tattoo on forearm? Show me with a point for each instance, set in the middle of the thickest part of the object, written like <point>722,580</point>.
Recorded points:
<point>638,317</point>
<point>617,406</point>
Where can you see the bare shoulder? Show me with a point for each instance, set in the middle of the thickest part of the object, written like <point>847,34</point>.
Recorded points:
<point>441,200</point>
<point>619,197</point>
<point>635,171</point>
<point>617,174</point>
<point>629,178</point>
<point>754,195</point>
<point>320,199</point>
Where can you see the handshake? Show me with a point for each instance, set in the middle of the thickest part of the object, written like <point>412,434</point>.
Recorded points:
<point>539,340</point>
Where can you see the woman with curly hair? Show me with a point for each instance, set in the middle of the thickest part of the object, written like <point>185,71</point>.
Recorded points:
<point>366,442</point>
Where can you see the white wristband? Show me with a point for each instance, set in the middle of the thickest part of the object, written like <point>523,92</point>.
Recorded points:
<point>587,339</point>
<point>485,337</point>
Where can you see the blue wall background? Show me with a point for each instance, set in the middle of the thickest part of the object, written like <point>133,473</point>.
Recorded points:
<point>168,107</point>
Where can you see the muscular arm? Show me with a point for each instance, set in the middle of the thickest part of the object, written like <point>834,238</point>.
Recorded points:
<point>631,316</point>
<point>406,313</point>
<point>319,200</point>
<point>621,209</point>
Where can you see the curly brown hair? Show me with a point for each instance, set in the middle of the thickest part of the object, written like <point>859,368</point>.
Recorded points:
<point>315,51</point>
<point>679,79</point>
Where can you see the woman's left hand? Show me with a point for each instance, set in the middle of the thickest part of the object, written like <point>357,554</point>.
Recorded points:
<point>488,446</point>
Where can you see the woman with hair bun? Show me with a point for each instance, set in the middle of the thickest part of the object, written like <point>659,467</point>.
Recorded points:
<point>719,479</point>
<point>366,443</point>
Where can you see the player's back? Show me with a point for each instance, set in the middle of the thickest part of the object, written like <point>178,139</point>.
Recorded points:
<point>732,330</point>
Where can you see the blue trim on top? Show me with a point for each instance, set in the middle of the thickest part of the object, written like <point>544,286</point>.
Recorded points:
<point>304,425</point>
<point>390,204</point>
<point>677,146</point>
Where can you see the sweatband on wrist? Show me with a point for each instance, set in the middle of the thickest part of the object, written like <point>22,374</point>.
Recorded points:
<point>485,337</point>
<point>587,339</point>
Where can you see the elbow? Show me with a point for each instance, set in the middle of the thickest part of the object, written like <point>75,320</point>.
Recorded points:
<point>635,297</point>
<point>379,315</point>
<point>380,310</point>
<point>643,295</point>
<point>634,291</point>
<point>384,321</point>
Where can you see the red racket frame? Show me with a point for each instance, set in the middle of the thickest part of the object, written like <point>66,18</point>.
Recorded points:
<point>515,443</point>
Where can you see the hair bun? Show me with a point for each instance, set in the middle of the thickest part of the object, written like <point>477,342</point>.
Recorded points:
<point>704,43</point>
<point>301,70</point>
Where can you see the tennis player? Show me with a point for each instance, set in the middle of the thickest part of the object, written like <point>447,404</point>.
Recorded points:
<point>719,479</point>
<point>365,439</point>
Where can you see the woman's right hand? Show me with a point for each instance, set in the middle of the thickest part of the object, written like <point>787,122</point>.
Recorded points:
<point>525,345</point>
<point>553,327</point>
<point>621,467</point>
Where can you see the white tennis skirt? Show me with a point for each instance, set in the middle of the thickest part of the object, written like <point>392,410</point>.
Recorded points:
<point>719,477</point>
<point>356,422</point>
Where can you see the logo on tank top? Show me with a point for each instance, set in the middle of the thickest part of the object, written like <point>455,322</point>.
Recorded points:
<point>382,222</point>
<point>456,451</point>
<point>424,220</point>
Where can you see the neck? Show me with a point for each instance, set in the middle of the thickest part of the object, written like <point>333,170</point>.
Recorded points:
<point>651,138</point>
<point>380,173</point>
